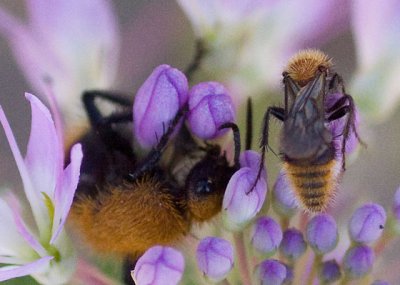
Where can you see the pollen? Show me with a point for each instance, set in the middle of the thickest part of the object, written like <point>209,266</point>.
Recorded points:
<point>304,64</point>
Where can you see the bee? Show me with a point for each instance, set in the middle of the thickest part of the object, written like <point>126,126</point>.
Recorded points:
<point>312,162</point>
<point>125,203</point>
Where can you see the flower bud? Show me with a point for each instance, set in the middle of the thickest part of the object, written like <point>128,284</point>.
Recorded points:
<point>330,272</point>
<point>251,158</point>
<point>215,258</point>
<point>380,282</point>
<point>266,235</point>
<point>284,202</point>
<point>322,233</point>
<point>367,223</point>
<point>396,204</point>
<point>293,244</point>
<point>270,271</point>
<point>336,127</point>
<point>157,102</point>
<point>358,261</point>
<point>239,204</point>
<point>210,106</point>
<point>158,264</point>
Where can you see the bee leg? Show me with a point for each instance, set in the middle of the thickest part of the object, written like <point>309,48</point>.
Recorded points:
<point>249,124</point>
<point>154,156</point>
<point>236,139</point>
<point>345,105</point>
<point>278,113</point>
<point>127,267</point>
<point>95,116</point>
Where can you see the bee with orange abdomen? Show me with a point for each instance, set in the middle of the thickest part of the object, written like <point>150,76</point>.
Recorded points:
<point>125,203</point>
<point>313,159</point>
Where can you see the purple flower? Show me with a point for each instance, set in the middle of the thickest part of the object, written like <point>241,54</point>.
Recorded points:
<point>49,189</point>
<point>215,258</point>
<point>380,282</point>
<point>367,223</point>
<point>157,102</point>
<point>210,106</point>
<point>75,55</point>
<point>330,272</point>
<point>396,204</point>
<point>293,244</point>
<point>284,201</point>
<point>239,204</point>
<point>271,272</point>
<point>337,126</point>
<point>266,235</point>
<point>358,261</point>
<point>322,233</point>
<point>251,158</point>
<point>158,264</point>
<point>377,42</point>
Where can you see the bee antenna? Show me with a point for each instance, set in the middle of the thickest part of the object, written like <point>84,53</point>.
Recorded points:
<point>236,139</point>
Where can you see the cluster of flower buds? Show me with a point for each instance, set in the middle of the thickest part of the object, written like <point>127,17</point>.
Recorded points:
<point>166,92</point>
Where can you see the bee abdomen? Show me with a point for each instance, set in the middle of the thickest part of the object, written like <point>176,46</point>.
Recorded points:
<point>314,185</point>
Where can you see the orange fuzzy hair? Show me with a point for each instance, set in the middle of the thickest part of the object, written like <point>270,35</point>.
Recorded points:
<point>303,65</point>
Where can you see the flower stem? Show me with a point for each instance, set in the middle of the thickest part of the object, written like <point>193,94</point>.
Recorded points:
<point>314,268</point>
<point>242,258</point>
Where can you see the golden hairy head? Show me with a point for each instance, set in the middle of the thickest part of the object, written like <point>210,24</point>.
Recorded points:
<point>303,65</point>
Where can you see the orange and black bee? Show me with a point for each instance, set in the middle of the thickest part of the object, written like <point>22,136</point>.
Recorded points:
<point>311,160</point>
<point>125,203</point>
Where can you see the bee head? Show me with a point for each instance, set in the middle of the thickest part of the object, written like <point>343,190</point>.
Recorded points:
<point>206,183</point>
<point>304,64</point>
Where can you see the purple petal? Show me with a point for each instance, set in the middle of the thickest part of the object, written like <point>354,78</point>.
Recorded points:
<point>251,158</point>
<point>34,197</point>
<point>44,157</point>
<point>65,192</point>
<point>9,272</point>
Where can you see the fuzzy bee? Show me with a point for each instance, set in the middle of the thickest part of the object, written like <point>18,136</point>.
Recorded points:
<point>312,159</point>
<point>125,203</point>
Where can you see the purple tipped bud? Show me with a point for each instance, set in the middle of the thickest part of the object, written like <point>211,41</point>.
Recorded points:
<point>266,235</point>
<point>358,261</point>
<point>210,106</point>
<point>330,272</point>
<point>158,264</point>
<point>380,282</point>
<point>367,223</point>
<point>322,233</point>
<point>396,204</point>
<point>251,158</point>
<point>215,258</point>
<point>157,102</point>
<point>284,201</point>
<point>270,271</point>
<point>337,126</point>
<point>293,244</point>
<point>239,203</point>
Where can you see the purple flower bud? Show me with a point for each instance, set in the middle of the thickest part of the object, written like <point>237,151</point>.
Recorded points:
<point>239,203</point>
<point>210,106</point>
<point>367,223</point>
<point>215,257</point>
<point>271,272</point>
<point>157,102</point>
<point>358,261</point>
<point>266,235</point>
<point>396,204</point>
<point>380,282</point>
<point>158,264</point>
<point>330,272</point>
<point>251,158</point>
<point>322,233</point>
<point>284,201</point>
<point>337,126</point>
<point>293,244</point>
<point>289,275</point>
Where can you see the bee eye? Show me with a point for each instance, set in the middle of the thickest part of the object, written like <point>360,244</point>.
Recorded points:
<point>204,186</point>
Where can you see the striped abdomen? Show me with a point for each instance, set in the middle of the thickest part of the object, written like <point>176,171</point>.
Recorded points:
<point>314,185</point>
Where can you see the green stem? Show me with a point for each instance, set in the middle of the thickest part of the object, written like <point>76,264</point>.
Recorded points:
<point>242,258</point>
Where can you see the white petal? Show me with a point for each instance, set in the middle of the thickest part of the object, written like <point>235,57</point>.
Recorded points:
<point>9,272</point>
